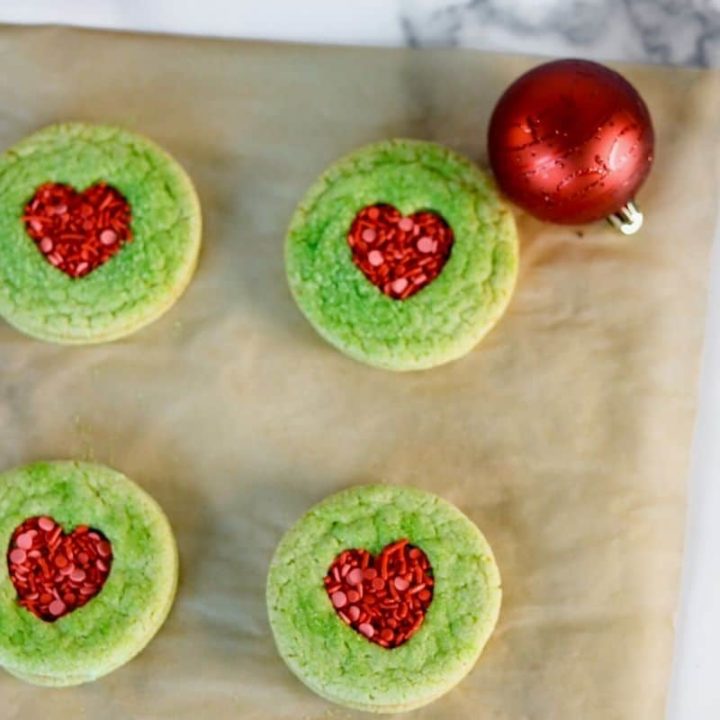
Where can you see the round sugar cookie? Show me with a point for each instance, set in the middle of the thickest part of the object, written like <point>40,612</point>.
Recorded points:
<point>402,255</point>
<point>89,573</point>
<point>381,598</point>
<point>99,233</point>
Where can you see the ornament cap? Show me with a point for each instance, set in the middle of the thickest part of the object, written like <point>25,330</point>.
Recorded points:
<point>628,219</point>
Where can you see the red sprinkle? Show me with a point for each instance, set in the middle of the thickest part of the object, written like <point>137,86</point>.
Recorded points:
<point>385,597</point>
<point>78,232</point>
<point>55,573</point>
<point>399,254</point>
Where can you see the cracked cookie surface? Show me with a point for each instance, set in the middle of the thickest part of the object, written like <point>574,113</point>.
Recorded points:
<point>134,287</point>
<point>342,665</point>
<point>136,597</point>
<point>448,317</point>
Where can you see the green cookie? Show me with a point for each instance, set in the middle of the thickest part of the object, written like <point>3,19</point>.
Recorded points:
<point>132,288</point>
<point>340,664</point>
<point>133,603</point>
<point>448,316</point>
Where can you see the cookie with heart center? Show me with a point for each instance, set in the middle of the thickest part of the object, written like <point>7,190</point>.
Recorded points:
<point>90,574</point>
<point>402,255</point>
<point>381,598</point>
<point>99,233</point>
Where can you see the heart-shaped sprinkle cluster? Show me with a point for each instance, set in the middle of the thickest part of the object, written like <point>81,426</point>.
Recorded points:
<point>78,232</point>
<point>383,597</point>
<point>399,254</point>
<point>53,572</point>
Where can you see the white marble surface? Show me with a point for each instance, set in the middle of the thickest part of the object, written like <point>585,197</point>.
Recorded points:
<point>683,32</point>
<point>680,32</point>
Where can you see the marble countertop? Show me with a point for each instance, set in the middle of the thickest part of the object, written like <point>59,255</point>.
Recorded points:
<point>677,32</point>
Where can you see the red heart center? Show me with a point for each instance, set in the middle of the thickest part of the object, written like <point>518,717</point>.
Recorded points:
<point>385,597</point>
<point>53,572</point>
<point>78,232</point>
<point>397,253</point>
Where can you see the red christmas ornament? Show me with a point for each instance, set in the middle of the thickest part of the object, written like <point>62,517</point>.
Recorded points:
<point>571,141</point>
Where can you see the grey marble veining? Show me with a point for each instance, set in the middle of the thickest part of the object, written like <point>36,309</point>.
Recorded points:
<point>678,32</point>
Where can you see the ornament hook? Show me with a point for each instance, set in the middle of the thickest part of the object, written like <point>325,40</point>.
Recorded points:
<point>628,219</point>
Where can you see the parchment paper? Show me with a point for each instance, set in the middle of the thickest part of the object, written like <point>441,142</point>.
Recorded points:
<point>565,435</point>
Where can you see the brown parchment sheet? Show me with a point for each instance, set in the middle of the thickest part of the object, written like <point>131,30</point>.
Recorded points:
<point>565,435</point>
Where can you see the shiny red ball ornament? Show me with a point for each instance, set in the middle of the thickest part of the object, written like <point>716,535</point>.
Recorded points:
<point>571,141</point>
